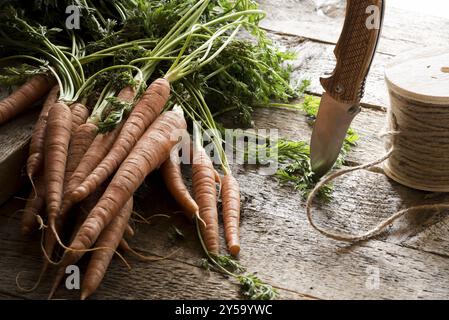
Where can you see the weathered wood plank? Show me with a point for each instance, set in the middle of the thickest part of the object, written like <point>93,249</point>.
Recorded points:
<point>403,30</point>
<point>166,279</point>
<point>293,125</point>
<point>277,240</point>
<point>315,60</point>
<point>365,197</point>
<point>274,225</point>
<point>277,243</point>
<point>14,137</point>
<point>9,296</point>
<point>360,202</point>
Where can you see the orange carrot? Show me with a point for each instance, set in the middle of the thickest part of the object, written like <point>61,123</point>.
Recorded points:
<point>129,231</point>
<point>34,206</point>
<point>143,114</point>
<point>24,97</point>
<point>230,194</point>
<point>109,239</point>
<point>79,144</point>
<point>79,115</point>
<point>97,151</point>
<point>172,175</point>
<point>84,209</point>
<point>205,193</point>
<point>127,94</point>
<point>124,246</point>
<point>56,148</point>
<point>37,144</point>
<point>149,153</point>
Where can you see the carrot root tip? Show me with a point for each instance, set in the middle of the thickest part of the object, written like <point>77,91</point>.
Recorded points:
<point>197,215</point>
<point>40,221</point>
<point>234,250</point>
<point>77,195</point>
<point>30,176</point>
<point>84,295</point>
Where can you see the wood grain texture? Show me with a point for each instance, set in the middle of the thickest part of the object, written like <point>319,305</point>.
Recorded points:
<point>403,30</point>
<point>421,75</point>
<point>14,138</point>
<point>277,241</point>
<point>380,196</point>
<point>173,278</point>
<point>306,265</point>
<point>354,52</point>
<point>314,60</point>
<point>368,124</point>
<point>411,258</point>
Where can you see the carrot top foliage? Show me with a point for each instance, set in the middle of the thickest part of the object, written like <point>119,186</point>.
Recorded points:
<point>212,52</point>
<point>294,156</point>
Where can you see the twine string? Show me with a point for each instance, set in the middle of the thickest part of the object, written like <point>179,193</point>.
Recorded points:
<point>418,157</point>
<point>421,142</point>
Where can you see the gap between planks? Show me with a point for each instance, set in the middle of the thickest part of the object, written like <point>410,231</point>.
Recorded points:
<point>117,279</point>
<point>403,29</point>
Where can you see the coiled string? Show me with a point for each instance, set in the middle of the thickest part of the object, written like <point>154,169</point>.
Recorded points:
<point>421,160</point>
<point>418,157</point>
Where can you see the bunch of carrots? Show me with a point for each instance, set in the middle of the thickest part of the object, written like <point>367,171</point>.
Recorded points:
<point>101,130</point>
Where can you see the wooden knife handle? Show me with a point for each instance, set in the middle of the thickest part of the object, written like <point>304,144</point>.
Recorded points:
<point>355,50</point>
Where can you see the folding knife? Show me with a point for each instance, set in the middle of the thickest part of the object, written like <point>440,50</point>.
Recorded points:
<point>345,87</point>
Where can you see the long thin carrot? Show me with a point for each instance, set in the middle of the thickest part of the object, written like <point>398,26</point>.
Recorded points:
<point>81,138</point>
<point>129,231</point>
<point>172,176</point>
<point>84,209</point>
<point>56,147</point>
<point>24,97</point>
<point>205,194</point>
<point>230,195</point>
<point>149,153</point>
<point>37,144</point>
<point>80,142</point>
<point>109,239</point>
<point>79,115</point>
<point>143,114</point>
<point>35,204</point>
<point>124,246</point>
<point>96,152</point>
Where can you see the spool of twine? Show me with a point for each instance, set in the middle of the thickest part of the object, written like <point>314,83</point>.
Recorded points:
<point>420,138</point>
<point>417,140</point>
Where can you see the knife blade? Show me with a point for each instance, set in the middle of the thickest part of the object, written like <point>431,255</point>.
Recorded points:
<point>345,87</point>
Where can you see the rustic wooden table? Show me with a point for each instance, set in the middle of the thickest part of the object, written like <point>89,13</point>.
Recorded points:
<point>410,261</point>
